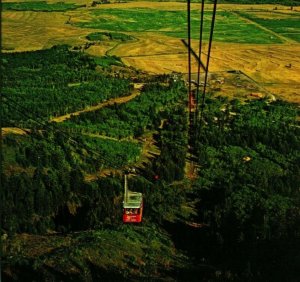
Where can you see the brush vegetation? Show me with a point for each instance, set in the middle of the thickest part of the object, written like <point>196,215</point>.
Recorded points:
<point>121,253</point>
<point>103,36</point>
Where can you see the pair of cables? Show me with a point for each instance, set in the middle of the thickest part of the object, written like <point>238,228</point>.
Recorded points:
<point>200,92</point>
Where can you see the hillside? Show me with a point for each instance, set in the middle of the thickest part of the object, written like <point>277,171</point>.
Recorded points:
<point>93,91</point>
<point>45,191</point>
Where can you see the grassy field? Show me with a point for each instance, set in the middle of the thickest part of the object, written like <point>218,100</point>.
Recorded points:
<point>29,30</point>
<point>229,27</point>
<point>285,24</point>
<point>39,6</point>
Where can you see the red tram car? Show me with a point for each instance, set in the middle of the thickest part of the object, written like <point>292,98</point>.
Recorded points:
<point>132,205</point>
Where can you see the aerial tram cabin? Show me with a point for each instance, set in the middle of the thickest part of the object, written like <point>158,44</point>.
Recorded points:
<point>192,101</point>
<point>132,205</point>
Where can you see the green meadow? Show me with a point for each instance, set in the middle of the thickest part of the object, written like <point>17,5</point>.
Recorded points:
<point>229,26</point>
<point>286,25</point>
<point>39,6</point>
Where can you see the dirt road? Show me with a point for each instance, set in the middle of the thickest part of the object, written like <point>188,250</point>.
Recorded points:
<point>120,100</point>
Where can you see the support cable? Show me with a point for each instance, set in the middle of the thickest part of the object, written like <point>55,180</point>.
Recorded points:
<point>189,53</point>
<point>199,69</point>
<point>207,62</point>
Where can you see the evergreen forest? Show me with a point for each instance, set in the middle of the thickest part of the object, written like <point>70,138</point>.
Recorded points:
<point>53,82</point>
<point>238,219</point>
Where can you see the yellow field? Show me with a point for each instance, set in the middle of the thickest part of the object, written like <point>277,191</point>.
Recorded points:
<point>267,64</point>
<point>275,67</point>
<point>28,30</point>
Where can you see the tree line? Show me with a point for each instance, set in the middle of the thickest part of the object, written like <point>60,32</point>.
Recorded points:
<point>279,2</point>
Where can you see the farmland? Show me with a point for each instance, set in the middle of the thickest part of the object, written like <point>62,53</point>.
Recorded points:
<point>230,27</point>
<point>256,39</point>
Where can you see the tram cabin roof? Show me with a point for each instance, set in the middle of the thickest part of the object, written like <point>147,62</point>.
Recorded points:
<point>134,200</point>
